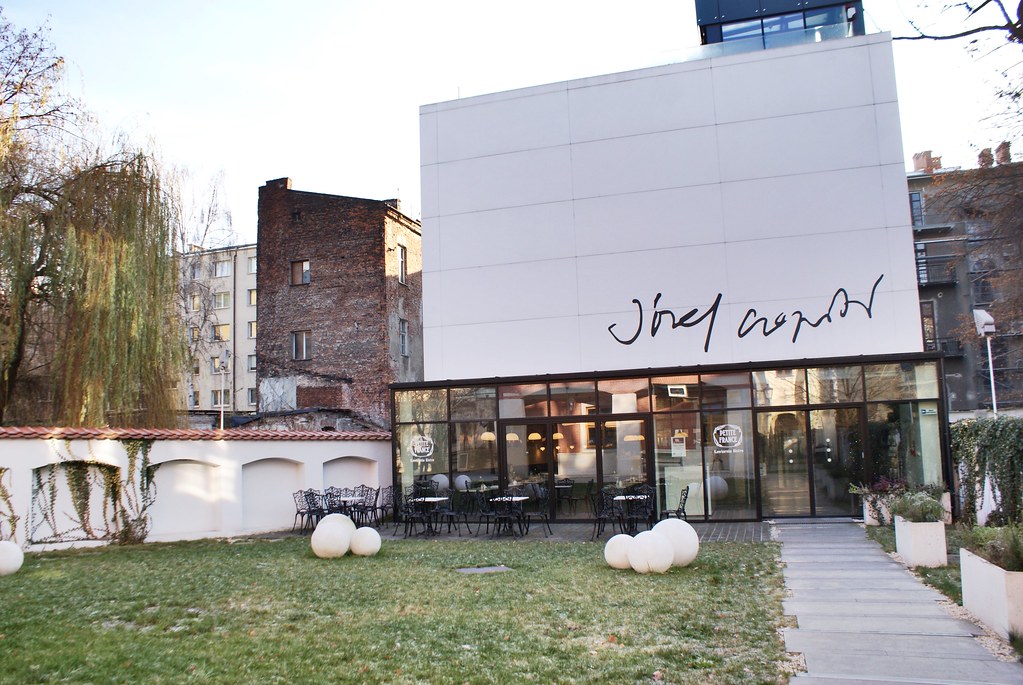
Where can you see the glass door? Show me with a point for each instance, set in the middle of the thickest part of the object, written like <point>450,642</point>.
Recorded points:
<point>835,435</point>
<point>575,469</point>
<point>784,467</point>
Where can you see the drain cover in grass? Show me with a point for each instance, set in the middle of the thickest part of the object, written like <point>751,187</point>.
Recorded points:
<point>483,569</point>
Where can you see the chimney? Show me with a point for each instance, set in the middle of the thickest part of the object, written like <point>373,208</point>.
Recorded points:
<point>1002,154</point>
<point>394,204</point>
<point>279,183</point>
<point>985,159</point>
<point>925,161</point>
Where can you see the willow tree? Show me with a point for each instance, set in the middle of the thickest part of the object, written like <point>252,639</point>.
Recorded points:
<point>89,334</point>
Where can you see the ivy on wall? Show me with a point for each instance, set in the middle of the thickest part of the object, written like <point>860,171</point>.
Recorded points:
<point>991,448</point>
<point>125,496</point>
<point>8,519</point>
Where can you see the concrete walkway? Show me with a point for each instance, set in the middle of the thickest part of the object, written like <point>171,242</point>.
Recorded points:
<point>864,619</point>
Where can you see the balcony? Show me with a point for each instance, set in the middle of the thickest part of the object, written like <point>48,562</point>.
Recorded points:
<point>950,347</point>
<point>936,271</point>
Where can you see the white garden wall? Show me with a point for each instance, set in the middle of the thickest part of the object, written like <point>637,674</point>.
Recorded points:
<point>207,484</point>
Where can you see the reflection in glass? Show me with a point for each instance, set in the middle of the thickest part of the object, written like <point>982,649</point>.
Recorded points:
<point>674,393</point>
<point>730,486</point>
<point>783,463</point>
<point>474,455</point>
<point>837,459</point>
<point>527,454</point>
<point>521,401</point>
<point>575,469</point>
<point>833,384</point>
<point>678,461</point>
<point>902,381</point>
<point>623,396</point>
<point>779,388</point>
<point>473,403</point>
<point>905,442</point>
<point>575,398</point>
<point>623,453</point>
<point>722,390</point>
<point>421,452</point>
<point>424,404</point>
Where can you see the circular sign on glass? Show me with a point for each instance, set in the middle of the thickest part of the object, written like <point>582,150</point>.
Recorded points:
<point>421,447</point>
<point>727,436</point>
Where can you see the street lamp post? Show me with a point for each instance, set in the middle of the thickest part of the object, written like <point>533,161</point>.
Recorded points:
<point>985,328</point>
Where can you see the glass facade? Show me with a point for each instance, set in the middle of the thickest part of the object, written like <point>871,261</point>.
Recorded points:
<point>737,444</point>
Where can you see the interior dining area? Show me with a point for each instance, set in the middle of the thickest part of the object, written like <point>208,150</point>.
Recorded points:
<point>738,442</point>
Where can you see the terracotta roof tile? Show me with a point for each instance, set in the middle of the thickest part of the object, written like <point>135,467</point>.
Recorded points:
<point>57,433</point>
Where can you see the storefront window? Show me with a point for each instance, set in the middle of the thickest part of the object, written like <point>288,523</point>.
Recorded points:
<point>905,442</point>
<point>576,398</point>
<point>473,403</point>
<point>674,393</point>
<point>834,384</point>
<point>422,453</point>
<point>623,396</point>
<point>575,468</point>
<point>730,485</point>
<point>902,381</point>
<point>678,460</point>
<point>520,401</point>
<point>425,404</point>
<point>722,390</point>
<point>623,453</point>
<point>474,454</point>
<point>779,388</point>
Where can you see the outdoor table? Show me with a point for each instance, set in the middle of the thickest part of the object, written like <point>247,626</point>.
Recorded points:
<point>433,501</point>
<point>347,502</point>
<point>516,506</point>
<point>630,518</point>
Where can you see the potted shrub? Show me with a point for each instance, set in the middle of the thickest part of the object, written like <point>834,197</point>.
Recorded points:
<point>919,529</point>
<point>993,581</point>
<point>877,499</point>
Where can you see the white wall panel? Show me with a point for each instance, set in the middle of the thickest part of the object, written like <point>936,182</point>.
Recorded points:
<point>267,487</point>
<point>807,204</point>
<point>510,180</point>
<point>510,125</point>
<point>649,220</point>
<point>653,161</point>
<point>515,234</point>
<point>642,105</point>
<point>186,501</point>
<point>779,86</point>
<point>541,346</point>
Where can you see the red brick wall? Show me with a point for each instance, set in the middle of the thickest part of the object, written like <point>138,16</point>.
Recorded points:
<point>351,304</point>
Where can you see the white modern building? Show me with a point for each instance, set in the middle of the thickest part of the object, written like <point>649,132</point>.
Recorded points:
<point>700,274</point>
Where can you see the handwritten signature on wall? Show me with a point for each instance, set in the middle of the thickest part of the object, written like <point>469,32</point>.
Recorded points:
<point>752,323</point>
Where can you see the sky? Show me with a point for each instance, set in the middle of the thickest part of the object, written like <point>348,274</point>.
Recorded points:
<point>328,92</point>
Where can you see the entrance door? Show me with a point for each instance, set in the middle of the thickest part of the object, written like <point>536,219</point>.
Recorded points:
<point>784,468</point>
<point>836,438</point>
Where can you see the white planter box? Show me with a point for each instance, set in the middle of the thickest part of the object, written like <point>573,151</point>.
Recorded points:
<point>920,544</point>
<point>868,516</point>
<point>992,594</point>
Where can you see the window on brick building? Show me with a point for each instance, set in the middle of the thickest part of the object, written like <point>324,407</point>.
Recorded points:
<point>252,265</point>
<point>302,345</point>
<point>252,329</point>
<point>252,297</point>
<point>403,337</point>
<point>222,331</point>
<point>251,362</point>
<point>221,268</point>
<point>402,264</point>
<point>222,300</point>
<point>300,272</point>
<point>252,397</point>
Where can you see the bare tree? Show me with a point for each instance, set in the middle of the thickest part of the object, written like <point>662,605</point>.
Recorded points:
<point>978,17</point>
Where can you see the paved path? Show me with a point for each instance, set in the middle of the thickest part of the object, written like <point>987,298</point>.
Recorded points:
<point>865,620</point>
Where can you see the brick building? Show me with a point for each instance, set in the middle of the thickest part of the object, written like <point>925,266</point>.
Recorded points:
<point>340,302</point>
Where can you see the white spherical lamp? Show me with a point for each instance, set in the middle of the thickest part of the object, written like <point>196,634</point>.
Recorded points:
<point>332,537</point>
<point>616,551</point>
<point>685,542</point>
<point>442,482</point>
<point>11,557</point>
<point>650,552</point>
<point>463,482</point>
<point>717,487</point>
<point>365,542</point>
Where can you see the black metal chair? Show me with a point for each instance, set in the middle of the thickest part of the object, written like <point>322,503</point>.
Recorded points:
<point>680,511</point>
<point>410,513</point>
<point>604,510</point>
<point>386,503</point>
<point>641,510</point>
<point>316,506</point>
<point>301,510</point>
<point>484,511</point>
<point>365,509</point>
<point>456,509</point>
<point>563,488</point>
<point>539,510</point>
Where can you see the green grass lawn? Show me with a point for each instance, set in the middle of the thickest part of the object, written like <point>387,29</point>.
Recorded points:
<point>266,611</point>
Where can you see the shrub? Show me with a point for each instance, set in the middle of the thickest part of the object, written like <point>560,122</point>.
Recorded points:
<point>1006,550</point>
<point>918,507</point>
